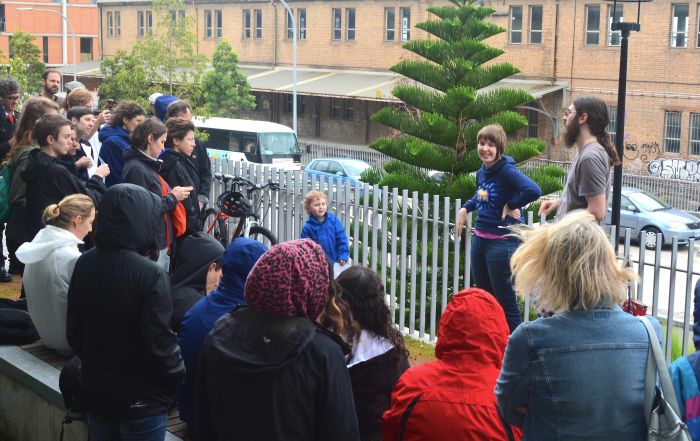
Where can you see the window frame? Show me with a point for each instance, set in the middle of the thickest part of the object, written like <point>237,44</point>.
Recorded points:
<point>614,34</point>
<point>612,124</point>
<point>258,23</point>
<point>674,26</point>
<point>697,34</point>
<point>117,23</point>
<point>140,23</point>
<point>110,24</point>
<point>289,34</point>
<point>218,23</point>
<point>587,31</point>
<point>246,25</point>
<point>511,30</point>
<point>387,29</point>
<point>337,24</point>
<point>208,24</point>
<point>350,31</point>
<point>348,110</point>
<point>301,23</point>
<point>668,126</point>
<point>532,31</point>
<point>405,25</point>
<point>694,134</point>
<point>533,122</point>
<point>45,49</point>
<point>149,22</point>
<point>336,108</point>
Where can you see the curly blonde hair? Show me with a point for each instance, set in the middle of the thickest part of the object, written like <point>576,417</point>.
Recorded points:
<point>311,197</point>
<point>569,265</point>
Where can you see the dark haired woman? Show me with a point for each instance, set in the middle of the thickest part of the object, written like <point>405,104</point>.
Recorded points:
<point>115,138</point>
<point>141,167</point>
<point>379,356</point>
<point>179,170</point>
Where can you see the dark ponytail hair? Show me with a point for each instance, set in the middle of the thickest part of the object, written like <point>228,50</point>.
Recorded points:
<point>598,120</point>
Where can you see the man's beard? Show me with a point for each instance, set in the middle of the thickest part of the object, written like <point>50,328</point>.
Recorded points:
<point>571,132</point>
<point>51,90</point>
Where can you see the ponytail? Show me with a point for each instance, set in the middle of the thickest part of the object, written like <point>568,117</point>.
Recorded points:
<point>63,214</point>
<point>609,146</point>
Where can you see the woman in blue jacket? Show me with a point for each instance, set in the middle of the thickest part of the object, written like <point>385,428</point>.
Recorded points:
<point>115,138</point>
<point>502,190</point>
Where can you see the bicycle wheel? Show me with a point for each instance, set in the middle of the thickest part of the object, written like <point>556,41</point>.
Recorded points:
<point>215,226</point>
<point>262,235</point>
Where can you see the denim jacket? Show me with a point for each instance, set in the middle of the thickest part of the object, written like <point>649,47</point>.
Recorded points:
<point>580,375</point>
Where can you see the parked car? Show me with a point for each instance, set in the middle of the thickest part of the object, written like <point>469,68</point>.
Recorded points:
<point>640,210</point>
<point>338,170</point>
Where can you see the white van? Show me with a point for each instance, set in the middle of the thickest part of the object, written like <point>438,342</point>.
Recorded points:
<point>262,142</point>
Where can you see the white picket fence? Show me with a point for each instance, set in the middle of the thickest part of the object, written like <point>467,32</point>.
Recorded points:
<point>400,236</point>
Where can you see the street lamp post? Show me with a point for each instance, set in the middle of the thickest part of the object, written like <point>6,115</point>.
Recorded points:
<point>72,29</point>
<point>625,28</point>
<point>294,65</point>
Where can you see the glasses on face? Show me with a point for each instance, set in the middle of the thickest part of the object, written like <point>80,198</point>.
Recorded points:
<point>12,98</point>
<point>568,112</point>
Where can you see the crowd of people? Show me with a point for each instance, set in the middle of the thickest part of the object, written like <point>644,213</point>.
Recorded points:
<point>293,342</point>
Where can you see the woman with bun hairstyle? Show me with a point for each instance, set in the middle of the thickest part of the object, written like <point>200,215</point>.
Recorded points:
<point>49,261</point>
<point>22,143</point>
<point>141,167</point>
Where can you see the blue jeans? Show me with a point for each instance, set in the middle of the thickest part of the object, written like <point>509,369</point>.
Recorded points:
<point>490,262</point>
<point>150,428</point>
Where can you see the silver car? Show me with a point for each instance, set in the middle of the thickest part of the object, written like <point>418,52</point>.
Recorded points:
<point>642,211</point>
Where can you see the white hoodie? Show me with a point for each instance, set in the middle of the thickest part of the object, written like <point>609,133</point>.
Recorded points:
<point>49,261</point>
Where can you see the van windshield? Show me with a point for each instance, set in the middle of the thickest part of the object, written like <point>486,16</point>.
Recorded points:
<point>278,144</point>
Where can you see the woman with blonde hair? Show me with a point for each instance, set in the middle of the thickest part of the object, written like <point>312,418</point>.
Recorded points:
<point>578,375</point>
<point>50,259</point>
<point>22,143</point>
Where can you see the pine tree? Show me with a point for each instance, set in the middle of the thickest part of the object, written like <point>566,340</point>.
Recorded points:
<point>225,87</point>
<point>445,110</point>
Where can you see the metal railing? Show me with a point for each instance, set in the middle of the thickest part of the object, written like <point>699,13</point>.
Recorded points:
<point>408,239</point>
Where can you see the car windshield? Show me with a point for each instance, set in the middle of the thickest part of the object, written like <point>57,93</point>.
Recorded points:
<point>647,202</point>
<point>278,144</point>
<point>355,168</point>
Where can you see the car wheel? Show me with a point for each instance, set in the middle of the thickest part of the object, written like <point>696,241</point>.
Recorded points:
<point>649,239</point>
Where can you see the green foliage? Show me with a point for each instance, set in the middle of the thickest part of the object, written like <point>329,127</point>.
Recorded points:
<point>226,88</point>
<point>165,61</point>
<point>26,65</point>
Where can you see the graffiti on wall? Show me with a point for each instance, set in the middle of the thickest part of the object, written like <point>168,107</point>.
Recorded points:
<point>671,168</point>
<point>645,152</point>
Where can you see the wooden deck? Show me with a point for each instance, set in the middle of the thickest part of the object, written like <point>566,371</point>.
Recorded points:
<point>175,426</point>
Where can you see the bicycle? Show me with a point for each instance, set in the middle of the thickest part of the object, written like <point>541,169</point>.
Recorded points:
<point>232,203</point>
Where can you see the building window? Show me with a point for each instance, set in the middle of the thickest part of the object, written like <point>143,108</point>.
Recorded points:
<point>536,24</point>
<point>117,23</point>
<point>149,22</point>
<point>336,108</point>
<point>612,125</point>
<point>348,111</point>
<point>177,14</point>
<point>679,26</point>
<point>614,16</point>
<point>592,25</point>
<point>697,37</point>
<point>337,24</point>
<point>258,23</point>
<point>140,24</point>
<point>389,24</point>
<point>246,23</point>
<point>533,122</point>
<point>301,14</point>
<point>290,24</point>
<point>350,23</point>
<point>219,23</point>
<point>516,24</point>
<point>672,132</point>
<point>110,24</point>
<point>2,18</point>
<point>405,23</point>
<point>45,48</point>
<point>289,101</point>
<point>207,24</point>
<point>85,48</point>
<point>694,134</point>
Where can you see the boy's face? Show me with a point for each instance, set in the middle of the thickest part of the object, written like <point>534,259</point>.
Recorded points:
<point>318,208</point>
<point>62,143</point>
<point>85,124</point>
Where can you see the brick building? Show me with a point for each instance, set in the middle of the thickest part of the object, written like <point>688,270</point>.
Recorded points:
<point>47,27</point>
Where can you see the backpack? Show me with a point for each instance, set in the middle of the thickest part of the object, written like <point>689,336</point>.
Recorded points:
<point>16,327</point>
<point>5,179</point>
<point>179,215</point>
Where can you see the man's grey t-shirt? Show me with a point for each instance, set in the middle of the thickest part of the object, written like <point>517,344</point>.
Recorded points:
<point>589,176</point>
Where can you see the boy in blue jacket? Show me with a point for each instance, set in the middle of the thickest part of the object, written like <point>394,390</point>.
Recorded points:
<point>325,229</point>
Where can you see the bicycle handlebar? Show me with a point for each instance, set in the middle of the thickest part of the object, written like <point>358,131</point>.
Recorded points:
<point>225,178</point>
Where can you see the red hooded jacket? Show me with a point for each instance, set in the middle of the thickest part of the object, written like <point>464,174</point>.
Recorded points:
<point>452,398</point>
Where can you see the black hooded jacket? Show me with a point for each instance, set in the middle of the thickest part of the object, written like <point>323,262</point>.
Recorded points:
<point>119,312</point>
<point>48,181</point>
<point>189,277</point>
<point>180,171</point>
<point>204,175</point>
<point>142,170</point>
<point>262,377</point>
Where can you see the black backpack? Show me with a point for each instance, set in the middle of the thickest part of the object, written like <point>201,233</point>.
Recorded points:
<point>16,327</point>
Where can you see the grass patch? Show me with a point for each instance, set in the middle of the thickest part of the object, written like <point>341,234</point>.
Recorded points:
<point>419,351</point>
